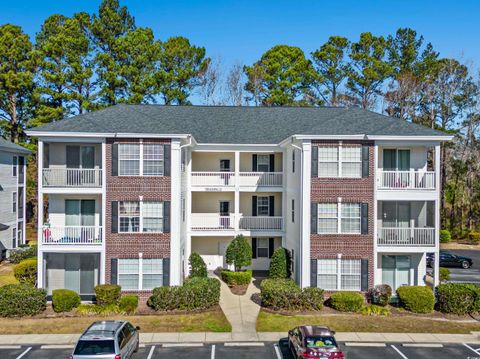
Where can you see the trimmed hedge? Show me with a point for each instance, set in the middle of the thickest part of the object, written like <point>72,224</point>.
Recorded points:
<point>381,294</point>
<point>128,303</point>
<point>20,254</point>
<point>374,310</point>
<point>416,298</point>
<point>236,278</point>
<point>65,300</point>
<point>280,264</point>
<point>347,301</point>
<point>198,268</point>
<point>458,298</point>
<point>285,294</point>
<point>445,236</point>
<point>21,300</point>
<point>26,271</point>
<point>196,293</point>
<point>93,309</point>
<point>108,294</point>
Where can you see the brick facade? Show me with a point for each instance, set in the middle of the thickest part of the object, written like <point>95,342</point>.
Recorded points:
<point>353,190</point>
<point>130,188</point>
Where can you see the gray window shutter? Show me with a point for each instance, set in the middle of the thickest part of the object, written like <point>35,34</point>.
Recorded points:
<point>271,204</point>
<point>254,247</point>
<point>254,206</point>
<point>365,161</point>
<point>114,216</point>
<point>364,279</point>
<point>115,159</point>
<point>254,163</point>
<point>272,163</point>
<point>364,219</point>
<point>314,161</point>
<point>114,271</point>
<point>166,271</point>
<point>167,163</point>
<point>166,217</point>
<point>314,218</point>
<point>271,247</point>
<point>313,273</point>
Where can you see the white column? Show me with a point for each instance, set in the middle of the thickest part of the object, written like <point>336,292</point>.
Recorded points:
<point>305,214</point>
<point>103,260</point>
<point>436,274</point>
<point>339,271</point>
<point>376,278</point>
<point>236,218</point>
<point>188,208</point>
<point>175,215</point>
<point>40,214</point>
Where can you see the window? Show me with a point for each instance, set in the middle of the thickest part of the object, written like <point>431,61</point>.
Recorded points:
<point>140,273</point>
<point>263,206</point>
<point>339,161</point>
<point>328,162</point>
<point>225,166</point>
<point>14,166</point>
<point>327,218</point>
<point>293,161</point>
<point>263,163</point>
<point>351,218</point>
<point>262,247</point>
<point>152,214</point>
<point>153,160</point>
<point>14,202</point>
<point>351,165</point>
<point>327,274</point>
<point>129,159</point>
<point>152,273</point>
<point>129,216</point>
<point>14,237</point>
<point>351,274</point>
<point>293,210</point>
<point>331,270</point>
<point>128,273</point>
<point>19,235</point>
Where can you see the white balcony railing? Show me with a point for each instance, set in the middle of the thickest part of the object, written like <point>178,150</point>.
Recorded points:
<point>215,179</point>
<point>404,180</point>
<point>268,179</point>
<point>212,221</point>
<point>405,237</point>
<point>261,223</point>
<point>72,177</point>
<point>72,235</point>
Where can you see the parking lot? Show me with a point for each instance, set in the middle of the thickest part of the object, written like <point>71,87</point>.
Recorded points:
<point>277,350</point>
<point>471,275</point>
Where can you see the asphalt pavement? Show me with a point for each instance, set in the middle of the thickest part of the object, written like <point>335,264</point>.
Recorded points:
<point>470,275</point>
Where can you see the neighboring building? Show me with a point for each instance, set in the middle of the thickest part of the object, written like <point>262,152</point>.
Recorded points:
<point>134,189</point>
<point>12,195</point>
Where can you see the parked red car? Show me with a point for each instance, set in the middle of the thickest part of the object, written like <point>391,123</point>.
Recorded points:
<point>313,342</point>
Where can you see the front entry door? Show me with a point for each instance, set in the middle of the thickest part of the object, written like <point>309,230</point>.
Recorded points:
<point>396,271</point>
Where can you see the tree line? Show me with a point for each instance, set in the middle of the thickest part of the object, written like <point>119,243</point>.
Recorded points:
<point>87,61</point>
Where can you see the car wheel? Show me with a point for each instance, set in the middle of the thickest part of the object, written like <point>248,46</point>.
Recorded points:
<point>465,265</point>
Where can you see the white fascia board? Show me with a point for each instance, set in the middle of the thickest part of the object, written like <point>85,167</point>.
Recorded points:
<point>231,147</point>
<point>370,137</point>
<point>330,137</point>
<point>412,138</point>
<point>103,135</point>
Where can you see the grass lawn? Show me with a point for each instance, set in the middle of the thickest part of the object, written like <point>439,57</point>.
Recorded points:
<point>209,321</point>
<point>268,322</point>
<point>6,274</point>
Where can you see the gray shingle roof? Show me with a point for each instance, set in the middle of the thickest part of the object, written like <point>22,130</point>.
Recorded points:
<point>223,124</point>
<point>12,147</point>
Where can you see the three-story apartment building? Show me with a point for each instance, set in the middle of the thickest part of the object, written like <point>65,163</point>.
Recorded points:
<point>133,190</point>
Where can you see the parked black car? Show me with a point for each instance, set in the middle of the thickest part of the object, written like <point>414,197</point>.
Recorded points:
<point>450,260</point>
<point>313,342</point>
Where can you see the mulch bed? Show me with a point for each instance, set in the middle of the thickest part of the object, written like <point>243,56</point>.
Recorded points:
<point>239,289</point>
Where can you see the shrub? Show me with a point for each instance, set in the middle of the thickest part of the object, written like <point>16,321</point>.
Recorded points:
<point>128,304</point>
<point>474,237</point>
<point>374,310</point>
<point>196,293</point>
<point>20,254</point>
<point>381,294</point>
<point>93,309</point>
<point>64,300</point>
<point>417,299</point>
<point>458,298</point>
<point>280,265</point>
<point>239,253</point>
<point>198,268</point>
<point>444,274</point>
<point>445,236</point>
<point>285,294</point>
<point>347,301</point>
<point>107,294</point>
<point>21,300</point>
<point>26,271</point>
<point>236,278</point>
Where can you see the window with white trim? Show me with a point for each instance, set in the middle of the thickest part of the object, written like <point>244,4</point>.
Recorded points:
<point>351,218</point>
<point>263,206</point>
<point>262,247</point>
<point>14,166</point>
<point>129,273</point>
<point>129,216</point>
<point>351,161</point>
<point>14,237</point>
<point>263,163</point>
<point>153,155</point>
<point>152,215</point>
<point>340,161</point>
<point>327,274</point>
<point>339,218</point>
<point>152,273</point>
<point>134,216</point>
<point>351,274</point>
<point>140,273</point>
<point>14,202</point>
<point>343,274</point>
<point>328,161</point>
<point>327,218</point>
<point>129,159</point>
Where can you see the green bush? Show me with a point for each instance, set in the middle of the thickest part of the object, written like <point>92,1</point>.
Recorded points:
<point>280,264</point>
<point>381,294</point>
<point>458,298</point>
<point>285,294</point>
<point>198,268</point>
<point>93,309</point>
<point>20,254</point>
<point>236,278</point>
<point>64,300</point>
<point>21,300</point>
<point>239,253</point>
<point>196,293</point>
<point>128,304</point>
<point>474,237</point>
<point>444,274</point>
<point>374,310</point>
<point>108,294</point>
<point>26,271</point>
<point>445,236</point>
<point>347,301</point>
<point>415,298</point>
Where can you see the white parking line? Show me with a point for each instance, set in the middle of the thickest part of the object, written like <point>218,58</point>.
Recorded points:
<point>277,351</point>
<point>245,344</point>
<point>399,352</point>
<point>360,344</point>
<point>175,345</point>
<point>473,350</point>
<point>424,345</point>
<point>150,354</point>
<point>10,347</point>
<point>24,353</point>
<point>57,346</point>
<point>213,352</point>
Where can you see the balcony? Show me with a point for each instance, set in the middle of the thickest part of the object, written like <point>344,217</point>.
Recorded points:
<point>259,179</point>
<point>72,177</point>
<point>229,179</point>
<point>406,237</point>
<point>405,180</point>
<point>72,235</point>
<point>261,223</point>
<point>212,222</point>
<point>213,179</point>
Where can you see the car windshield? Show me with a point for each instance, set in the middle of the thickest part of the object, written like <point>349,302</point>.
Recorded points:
<point>95,347</point>
<point>320,342</point>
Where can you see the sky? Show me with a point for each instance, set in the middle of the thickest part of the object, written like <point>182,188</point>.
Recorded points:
<point>241,31</point>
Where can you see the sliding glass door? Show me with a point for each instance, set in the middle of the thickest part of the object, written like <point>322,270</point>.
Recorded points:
<point>396,271</point>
